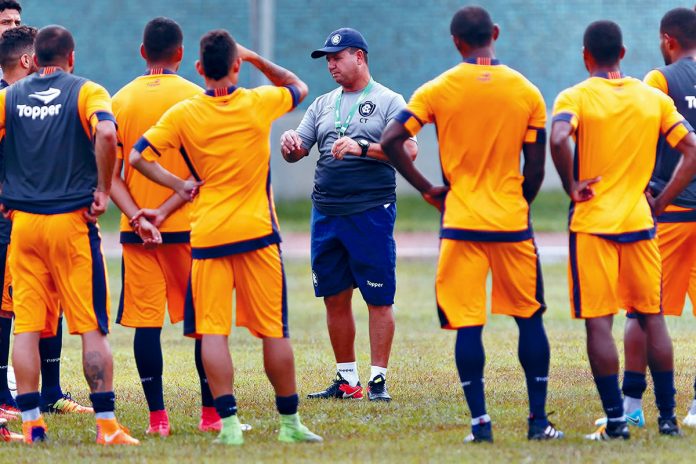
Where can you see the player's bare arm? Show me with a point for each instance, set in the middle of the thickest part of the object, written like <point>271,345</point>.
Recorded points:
<point>158,215</point>
<point>105,140</point>
<point>278,75</point>
<point>348,146</point>
<point>187,189</point>
<point>393,143</point>
<point>562,155</point>
<point>683,174</point>
<point>533,171</point>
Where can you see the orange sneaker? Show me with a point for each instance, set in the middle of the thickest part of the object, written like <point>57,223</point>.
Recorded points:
<point>34,431</point>
<point>110,432</point>
<point>67,405</point>
<point>159,424</point>
<point>7,435</point>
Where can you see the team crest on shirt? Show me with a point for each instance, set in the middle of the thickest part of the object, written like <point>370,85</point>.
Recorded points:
<point>366,108</point>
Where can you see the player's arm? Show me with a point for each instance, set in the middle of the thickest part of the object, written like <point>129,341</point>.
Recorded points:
<point>533,171</point>
<point>278,75</point>
<point>105,141</point>
<point>158,215</point>
<point>187,189</point>
<point>562,155</point>
<point>682,176</point>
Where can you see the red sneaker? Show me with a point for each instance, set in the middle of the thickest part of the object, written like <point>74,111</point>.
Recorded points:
<point>159,424</point>
<point>210,420</point>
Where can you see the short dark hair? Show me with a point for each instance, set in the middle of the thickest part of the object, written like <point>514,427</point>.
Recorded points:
<point>14,43</point>
<point>10,5</point>
<point>354,50</point>
<point>53,44</point>
<point>603,40</point>
<point>472,25</point>
<point>217,54</point>
<point>162,38</point>
<point>680,23</point>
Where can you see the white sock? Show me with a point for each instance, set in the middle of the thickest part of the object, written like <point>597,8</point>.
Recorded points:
<point>376,370</point>
<point>349,371</point>
<point>632,404</point>
<point>105,415</point>
<point>480,419</point>
<point>31,414</point>
<point>693,408</point>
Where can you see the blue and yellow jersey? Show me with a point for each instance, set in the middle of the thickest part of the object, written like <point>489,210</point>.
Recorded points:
<point>483,112</point>
<point>48,113</point>
<point>223,135</point>
<point>616,123</point>
<point>137,107</point>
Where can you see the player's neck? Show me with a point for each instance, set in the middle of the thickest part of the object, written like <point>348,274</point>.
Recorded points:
<point>691,53</point>
<point>173,67</point>
<point>13,75</point>
<point>483,52</point>
<point>359,83</point>
<point>224,83</point>
<point>605,70</point>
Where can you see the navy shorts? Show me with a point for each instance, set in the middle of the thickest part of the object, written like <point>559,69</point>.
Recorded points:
<point>355,250</point>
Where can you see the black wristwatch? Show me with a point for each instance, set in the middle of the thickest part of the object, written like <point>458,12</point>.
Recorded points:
<point>364,146</point>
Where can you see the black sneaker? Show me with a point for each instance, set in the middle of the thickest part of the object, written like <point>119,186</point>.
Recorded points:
<point>669,427</point>
<point>377,389</point>
<point>611,431</point>
<point>480,433</point>
<point>542,429</point>
<point>340,389</point>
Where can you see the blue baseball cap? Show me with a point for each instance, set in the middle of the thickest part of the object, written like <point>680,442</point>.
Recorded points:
<point>341,39</point>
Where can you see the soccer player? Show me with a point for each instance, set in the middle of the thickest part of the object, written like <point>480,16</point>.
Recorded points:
<point>614,256</point>
<point>223,135</point>
<point>676,228</point>
<point>486,114</point>
<point>353,209</point>
<point>59,156</point>
<point>155,279</point>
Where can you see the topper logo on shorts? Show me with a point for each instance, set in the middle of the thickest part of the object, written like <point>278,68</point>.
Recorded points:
<point>375,284</point>
<point>41,112</point>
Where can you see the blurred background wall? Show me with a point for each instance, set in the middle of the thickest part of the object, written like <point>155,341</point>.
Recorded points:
<point>409,44</point>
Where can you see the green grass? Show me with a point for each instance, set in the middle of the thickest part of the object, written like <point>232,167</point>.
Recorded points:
<point>427,420</point>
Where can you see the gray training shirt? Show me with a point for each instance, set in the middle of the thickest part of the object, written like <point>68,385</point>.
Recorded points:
<point>353,184</point>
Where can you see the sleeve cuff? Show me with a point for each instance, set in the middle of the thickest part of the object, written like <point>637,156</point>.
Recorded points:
<point>295,95</point>
<point>535,135</point>
<point>142,145</point>
<point>410,121</point>
<point>677,132</point>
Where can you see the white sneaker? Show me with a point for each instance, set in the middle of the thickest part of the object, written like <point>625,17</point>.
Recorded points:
<point>690,420</point>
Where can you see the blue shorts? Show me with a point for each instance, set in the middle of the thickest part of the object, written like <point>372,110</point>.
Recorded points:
<point>355,250</point>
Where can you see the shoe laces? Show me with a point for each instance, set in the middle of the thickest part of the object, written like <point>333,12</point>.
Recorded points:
<point>377,384</point>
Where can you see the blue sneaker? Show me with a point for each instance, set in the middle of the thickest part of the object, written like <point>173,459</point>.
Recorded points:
<point>480,433</point>
<point>634,419</point>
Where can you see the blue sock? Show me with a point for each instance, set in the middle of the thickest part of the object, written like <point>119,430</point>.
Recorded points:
<point>470,359</point>
<point>29,403</point>
<point>634,384</point>
<point>49,351</point>
<point>535,354</point>
<point>664,393</point>
<point>103,402</point>
<point>226,405</point>
<point>148,359</point>
<point>609,393</point>
<point>206,395</point>
<point>5,334</point>
<point>287,405</point>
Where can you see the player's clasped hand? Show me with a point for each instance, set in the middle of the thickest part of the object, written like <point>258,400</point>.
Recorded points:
<point>583,191</point>
<point>147,231</point>
<point>98,206</point>
<point>436,196</point>
<point>345,146</point>
<point>155,216</point>
<point>189,189</point>
<point>290,141</point>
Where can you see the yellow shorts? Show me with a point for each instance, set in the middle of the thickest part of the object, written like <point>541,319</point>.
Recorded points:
<point>56,261</point>
<point>677,242</point>
<point>605,275</point>
<point>6,300</point>
<point>460,285</point>
<point>152,281</point>
<point>258,279</point>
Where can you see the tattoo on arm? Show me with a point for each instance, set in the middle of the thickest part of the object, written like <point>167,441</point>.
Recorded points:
<point>276,74</point>
<point>93,366</point>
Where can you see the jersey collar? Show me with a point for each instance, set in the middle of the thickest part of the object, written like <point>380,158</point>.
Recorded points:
<point>156,71</point>
<point>4,84</point>
<point>610,75</point>
<point>483,61</point>
<point>221,92</point>
<point>48,70</point>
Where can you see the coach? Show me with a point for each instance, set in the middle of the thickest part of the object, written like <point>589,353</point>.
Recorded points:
<point>353,208</point>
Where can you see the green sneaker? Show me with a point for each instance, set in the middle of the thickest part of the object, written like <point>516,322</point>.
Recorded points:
<point>293,431</point>
<point>231,433</point>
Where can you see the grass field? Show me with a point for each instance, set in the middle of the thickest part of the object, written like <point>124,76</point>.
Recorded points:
<point>427,420</point>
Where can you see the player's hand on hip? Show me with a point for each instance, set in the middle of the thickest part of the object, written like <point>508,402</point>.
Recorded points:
<point>345,146</point>
<point>583,191</point>
<point>436,196</point>
<point>149,234</point>
<point>155,216</point>
<point>5,211</point>
<point>98,206</point>
<point>290,141</point>
<point>189,189</point>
